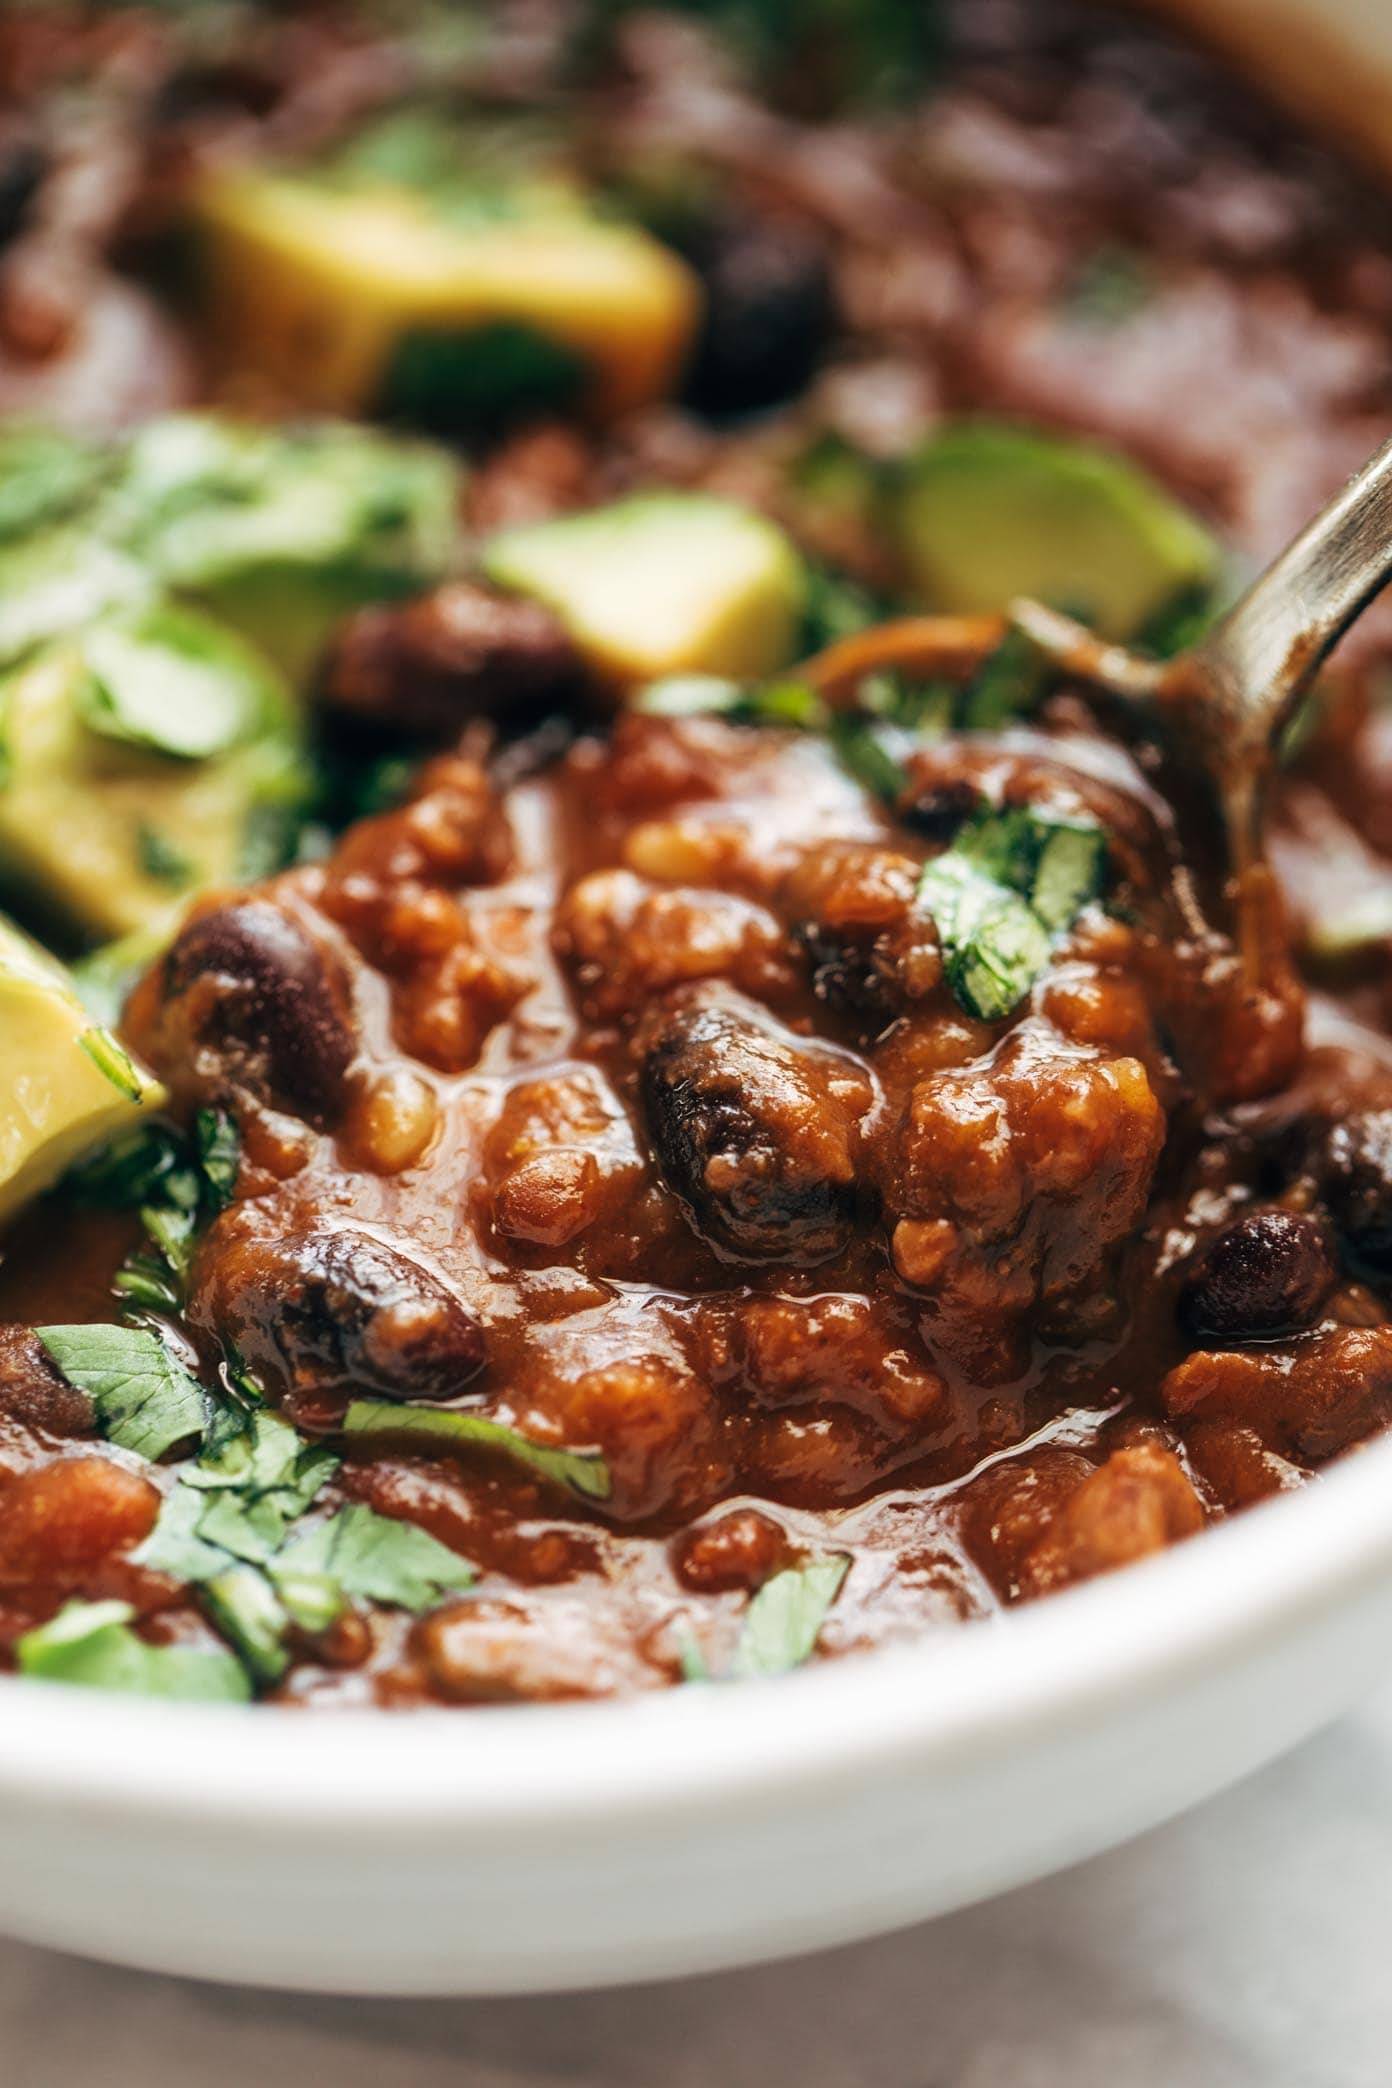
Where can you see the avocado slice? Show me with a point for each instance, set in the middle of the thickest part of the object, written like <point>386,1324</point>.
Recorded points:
<point>663,583</point>
<point>138,759</point>
<point>57,579</point>
<point>46,474</point>
<point>372,294</point>
<point>69,1085</point>
<point>280,531</point>
<point>987,511</point>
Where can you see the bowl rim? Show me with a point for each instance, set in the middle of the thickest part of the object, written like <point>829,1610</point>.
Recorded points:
<point>950,1697</point>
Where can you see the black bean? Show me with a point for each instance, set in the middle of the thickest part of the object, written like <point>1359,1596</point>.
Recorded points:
<point>1352,1162</point>
<point>752,1127</point>
<point>768,318</point>
<point>337,1313</point>
<point>22,168</point>
<point>938,807</point>
<point>263,997</point>
<point>1266,1273</point>
<point>459,652</point>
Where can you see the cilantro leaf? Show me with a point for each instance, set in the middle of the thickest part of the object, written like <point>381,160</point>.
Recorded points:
<point>173,1231</point>
<point>130,1170</point>
<point>178,1186</point>
<point>243,1527</point>
<point>218,1148</point>
<point>1008,683</point>
<point>377,1558</point>
<point>161,860</point>
<point>266,1456</point>
<point>1007,887</point>
<point>176,1546</point>
<point>146,1282</point>
<point>692,1657</point>
<point>246,1609</point>
<point>238,1501</point>
<point>784,1620</point>
<point>583,1472</point>
<point>144,1401</point>
<point>994,946</point>
<point>92,1645</point>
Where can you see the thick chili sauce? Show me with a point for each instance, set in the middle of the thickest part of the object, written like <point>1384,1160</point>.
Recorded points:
<point>612,1087</point>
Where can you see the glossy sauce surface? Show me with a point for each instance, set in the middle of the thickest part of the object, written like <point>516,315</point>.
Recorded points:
<point>617,1095</point>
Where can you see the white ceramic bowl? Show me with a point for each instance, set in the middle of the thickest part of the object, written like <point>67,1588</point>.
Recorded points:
<point>497,1851</point>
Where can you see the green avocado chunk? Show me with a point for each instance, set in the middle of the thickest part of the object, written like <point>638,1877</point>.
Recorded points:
<point>136,759</point>
<point>279,531</point>
<point>68,1084</point>
<point>985,512</point>
<point>662,584</point>
<point>282,531</point>
<point>58,579</point>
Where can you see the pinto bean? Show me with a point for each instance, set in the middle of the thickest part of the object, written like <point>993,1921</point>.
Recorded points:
<point>853,908</point>
<point>1135,1504</point>
<point>462,651</point>
<point>1313,1398</point>
<point>741,1549</point>
<point>1268,1272</point>
<point>266,1003</point>
<point>754,1128</point>
<point>61,1521</point>
<point>32,1393</point>
<point>334,1313</point>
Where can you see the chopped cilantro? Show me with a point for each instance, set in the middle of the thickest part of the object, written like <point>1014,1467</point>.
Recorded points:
<point>144,1401</point>
<point>781,1625</point>
<point>584,1472</point>
<point>160,859</point>
<point>175,1546</point>
<point>146,1283</point>
<point>227,1519</point>
<point>1008,683</point>
<point>835,608</point>
<point>219,1154</point>
<point>176,1190</point>
<point>374,1557</point>
<point>694,1665</point>
<point>246,1609</point>
<point>1007,887</point>
<point>265,1458</point>
<point>872,750</point>
<point>458,381</point>
<point>92,1645</point>
<point>784,1620</point>
<point>128,1172</point>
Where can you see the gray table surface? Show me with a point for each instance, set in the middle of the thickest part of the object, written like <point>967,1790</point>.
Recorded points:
<point>1248,1945</point>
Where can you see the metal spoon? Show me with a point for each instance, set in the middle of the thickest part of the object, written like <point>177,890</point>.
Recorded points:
<point>1224,704</point>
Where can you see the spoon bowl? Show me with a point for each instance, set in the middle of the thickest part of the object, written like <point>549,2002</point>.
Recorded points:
<point>1224,704</point>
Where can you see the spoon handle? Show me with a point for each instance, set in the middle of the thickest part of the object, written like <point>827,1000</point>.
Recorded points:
<point>1262,654</point>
